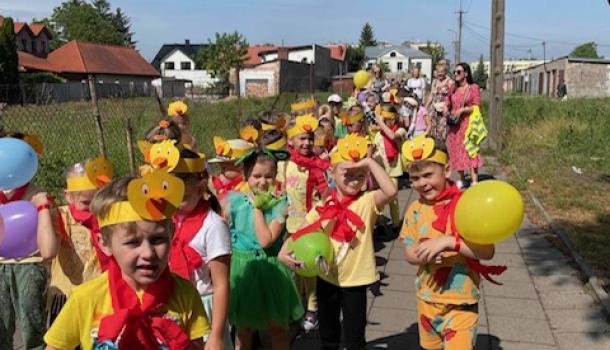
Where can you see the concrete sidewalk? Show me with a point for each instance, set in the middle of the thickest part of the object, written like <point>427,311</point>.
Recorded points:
<point>542,304</point>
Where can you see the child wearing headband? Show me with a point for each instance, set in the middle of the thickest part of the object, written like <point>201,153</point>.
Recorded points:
<point>263,293</point>
<point>177,112</point>
<point>79,258</point>
<point>201,246</point>
<point>387,143</point>
<point>138,303</point>
<point>348,216</point>
<point>447,283</point>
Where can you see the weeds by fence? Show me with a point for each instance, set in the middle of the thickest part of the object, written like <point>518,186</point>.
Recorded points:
<point>68,133</point>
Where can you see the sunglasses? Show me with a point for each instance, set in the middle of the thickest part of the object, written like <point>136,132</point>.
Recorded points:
<point>458,72</point>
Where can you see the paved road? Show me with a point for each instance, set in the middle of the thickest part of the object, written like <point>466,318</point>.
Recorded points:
<point>541,306</point>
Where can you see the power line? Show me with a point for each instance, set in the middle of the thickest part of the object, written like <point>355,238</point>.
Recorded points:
<point>530,37</point>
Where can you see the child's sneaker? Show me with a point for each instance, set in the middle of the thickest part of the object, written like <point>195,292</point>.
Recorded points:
<point>311,321</point>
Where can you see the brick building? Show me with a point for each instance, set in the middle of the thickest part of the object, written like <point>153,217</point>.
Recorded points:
<point>584,77</point>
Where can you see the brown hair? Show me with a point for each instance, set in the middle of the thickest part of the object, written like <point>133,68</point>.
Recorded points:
<point>270,137</point>
<point>164,130</point>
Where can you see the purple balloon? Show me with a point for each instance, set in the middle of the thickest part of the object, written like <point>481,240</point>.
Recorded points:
<point>362,96</point>
<point>19,229</point>
<point>1,229</point>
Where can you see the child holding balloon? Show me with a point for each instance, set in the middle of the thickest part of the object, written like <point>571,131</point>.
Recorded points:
<point>27,240</point>
<point>263,293</point>
<point>448,278</point>
<point>348,216</point>
<point>79,258</point>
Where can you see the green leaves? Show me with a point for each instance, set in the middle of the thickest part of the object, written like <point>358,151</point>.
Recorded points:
<point>586,50</point>
<point>8,53</point>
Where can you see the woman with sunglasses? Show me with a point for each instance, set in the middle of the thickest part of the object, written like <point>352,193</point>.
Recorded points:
<point>466,95</point>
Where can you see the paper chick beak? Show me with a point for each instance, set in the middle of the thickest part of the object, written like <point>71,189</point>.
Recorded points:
<point>156,207</point>
<point>354,155</point>
<point>102,180</point>
<point>417,153</point>
<point>161,162</point>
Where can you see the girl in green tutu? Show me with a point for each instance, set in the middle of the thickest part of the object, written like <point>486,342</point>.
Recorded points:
<point>263,293</point>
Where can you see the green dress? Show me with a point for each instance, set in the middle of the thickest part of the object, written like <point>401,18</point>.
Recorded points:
<point>263,292</point>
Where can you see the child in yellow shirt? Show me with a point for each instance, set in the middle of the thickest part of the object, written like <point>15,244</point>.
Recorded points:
<point>447,282</point>
<point>348,216</point>
<point>79,258</point>
<point>306,184</point>
<point>137,303</point>
<point>387,144</point>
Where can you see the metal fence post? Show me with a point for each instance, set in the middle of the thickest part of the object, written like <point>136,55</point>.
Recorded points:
<point>97,117</point>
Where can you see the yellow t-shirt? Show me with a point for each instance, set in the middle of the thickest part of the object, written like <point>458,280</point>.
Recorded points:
<point>73,264</point>
<point>358,266</point>
<point>78,321</point>
<point>462,286</point>
<point>394,169</point>
<point>296,186</point>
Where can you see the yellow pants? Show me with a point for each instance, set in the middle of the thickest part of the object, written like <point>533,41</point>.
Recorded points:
<point>307,291</point>
<point>448,327</point>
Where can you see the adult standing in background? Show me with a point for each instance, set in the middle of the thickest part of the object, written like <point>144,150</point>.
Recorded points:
<point>438,102</point>
<point>463,99</point>
<point>417,84</point>
<point>378,83</point>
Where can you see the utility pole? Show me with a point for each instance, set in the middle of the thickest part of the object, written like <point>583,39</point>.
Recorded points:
<point>455,47</point>
<point>460,26</point>
<point>496,73</point>
<point>544,54</point>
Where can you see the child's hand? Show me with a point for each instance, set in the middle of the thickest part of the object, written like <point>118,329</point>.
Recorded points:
<point>40,199</point>
<point>286,257</point>
<point>430,249</point>
<point>214,343</point>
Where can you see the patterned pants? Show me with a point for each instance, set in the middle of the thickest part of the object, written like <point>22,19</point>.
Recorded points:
<point>448,327</point>
<point>23,289</point>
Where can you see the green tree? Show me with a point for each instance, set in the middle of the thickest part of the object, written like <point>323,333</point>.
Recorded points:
<point>225,53</point>
<point>92,22</point>
<point>355,58</point>
<point>479,76</point>
<point>437,51</point>
<point>367,37</point>
<point>586,50</point>
<point>8,53</point>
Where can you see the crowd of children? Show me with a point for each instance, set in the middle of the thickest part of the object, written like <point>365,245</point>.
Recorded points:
<point>175,257</point>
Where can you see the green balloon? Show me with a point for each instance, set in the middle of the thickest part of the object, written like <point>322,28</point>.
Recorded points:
<point>310,249</point>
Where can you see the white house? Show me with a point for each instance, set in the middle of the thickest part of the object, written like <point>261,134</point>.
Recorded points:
<point>177,61</point>
<point>400,59</point>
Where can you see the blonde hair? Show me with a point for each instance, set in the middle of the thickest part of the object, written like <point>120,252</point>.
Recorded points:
<point>325,111</point>
<point>114,192</point>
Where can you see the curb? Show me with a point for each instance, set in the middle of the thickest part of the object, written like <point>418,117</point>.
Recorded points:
<point>592,281</point>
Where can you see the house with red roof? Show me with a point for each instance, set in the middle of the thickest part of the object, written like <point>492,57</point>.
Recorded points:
<point>32,38</point>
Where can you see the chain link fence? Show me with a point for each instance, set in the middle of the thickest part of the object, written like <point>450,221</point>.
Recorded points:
<point>68,133</point>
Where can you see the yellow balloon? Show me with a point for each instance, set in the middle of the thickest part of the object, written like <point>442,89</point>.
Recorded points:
<point>361,78</point>
<point>489,212</point>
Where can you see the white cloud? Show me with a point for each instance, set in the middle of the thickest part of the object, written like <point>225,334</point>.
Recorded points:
<point>25,10</point>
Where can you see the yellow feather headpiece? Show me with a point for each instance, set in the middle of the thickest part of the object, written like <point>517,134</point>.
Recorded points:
<point>303,124</point>
<point>229,150</point>
<point>351,148</point>
<point>300,106</point>
<point>177,108</point>
<point>97,173</point>
<point>423,148</point>
<point>154,197</point>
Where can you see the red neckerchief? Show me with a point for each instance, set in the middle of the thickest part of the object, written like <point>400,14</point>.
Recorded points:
<point>445,211</point>
<point>17,194</point>
<point>223,188</point>
<point>315,178</point>
<point>183,259</point>
<point>87,219</point>
<point>338,210</point>
<point>140,324</point>
<point>391,147</point>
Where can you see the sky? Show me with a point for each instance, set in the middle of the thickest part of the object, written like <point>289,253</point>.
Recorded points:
<point>563,24</point>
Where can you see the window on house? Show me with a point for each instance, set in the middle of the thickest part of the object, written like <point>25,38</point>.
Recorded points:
<point>43,46</point>
<point>33,46</point>
<point>392,54</point>
<point>169,65</point>
<point>369,66</point>
<point>24,44</point>
<point>304,60</point>
<point>185,65</point>
<point>399,66</point>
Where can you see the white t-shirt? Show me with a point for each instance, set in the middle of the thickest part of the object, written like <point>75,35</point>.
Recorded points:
<point>212,240</point>
<point>417,85</point>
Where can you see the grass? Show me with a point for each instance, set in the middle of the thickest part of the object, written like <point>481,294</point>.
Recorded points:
<point>67,130</point>
<point>544,139</point>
